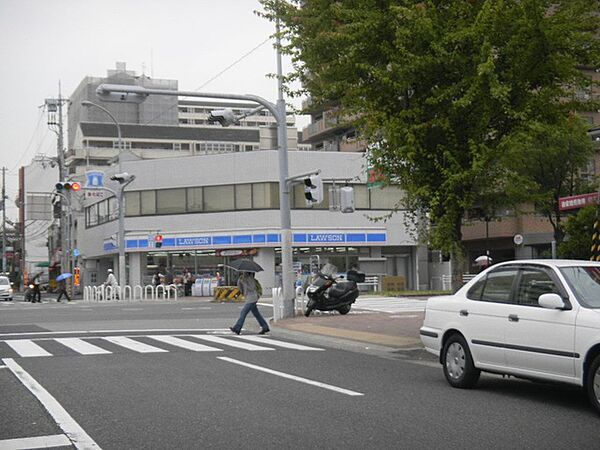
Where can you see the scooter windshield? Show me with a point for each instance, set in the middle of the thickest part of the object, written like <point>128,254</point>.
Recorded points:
<point>330,270</point>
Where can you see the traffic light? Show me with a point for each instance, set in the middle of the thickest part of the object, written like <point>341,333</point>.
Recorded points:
<point>68,186</point>
<point>77,276</point>
<point>347,199</point>
<point>158,240</point>
<point>313,190</point>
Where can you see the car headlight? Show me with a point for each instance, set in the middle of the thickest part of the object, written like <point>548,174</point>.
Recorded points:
<point>10,291</point>
<point>31,286</point>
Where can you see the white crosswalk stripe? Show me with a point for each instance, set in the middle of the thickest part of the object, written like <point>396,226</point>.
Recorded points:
<point>131,344</point>
<point>391,304</point>
<point>231,343</point>
<point>276,343</point>
<point>92,345</point>
<point>82,347</point>
<point>182,343</point>
<point>27,348</point>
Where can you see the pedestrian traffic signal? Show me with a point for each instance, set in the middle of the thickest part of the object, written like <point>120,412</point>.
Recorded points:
<point>158,240</point>
<point>68,186</point>
<point>313,190</point>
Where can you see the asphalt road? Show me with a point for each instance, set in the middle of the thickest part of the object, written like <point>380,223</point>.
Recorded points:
<point>237,396</point>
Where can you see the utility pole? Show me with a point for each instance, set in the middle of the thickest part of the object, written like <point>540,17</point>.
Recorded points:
<point>54,107</point>
<point>4,220</point>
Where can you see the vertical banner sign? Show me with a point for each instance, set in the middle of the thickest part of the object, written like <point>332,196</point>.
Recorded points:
<point>77,276</point>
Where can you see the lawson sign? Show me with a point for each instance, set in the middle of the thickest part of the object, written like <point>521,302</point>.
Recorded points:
<point>261,239</point>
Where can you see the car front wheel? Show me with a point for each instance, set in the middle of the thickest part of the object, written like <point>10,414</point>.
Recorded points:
<point>459,369</point>
<point>593,383</point>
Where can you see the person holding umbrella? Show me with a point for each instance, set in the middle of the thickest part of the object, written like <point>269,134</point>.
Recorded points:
<point>62,286</point>
<point>250,288</point>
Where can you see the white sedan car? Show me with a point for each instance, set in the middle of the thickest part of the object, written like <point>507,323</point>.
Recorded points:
<point>535,319</point>
<point>6,290</point>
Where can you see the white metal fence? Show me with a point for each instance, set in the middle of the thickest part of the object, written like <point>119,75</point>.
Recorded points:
<point>130,293</point>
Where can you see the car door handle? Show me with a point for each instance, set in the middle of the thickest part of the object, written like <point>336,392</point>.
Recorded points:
<point>513,318</point>
<point>464,312</point>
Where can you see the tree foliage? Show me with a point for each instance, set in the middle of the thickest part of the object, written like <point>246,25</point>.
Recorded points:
<point>578,228</point>
<point>445,91</point>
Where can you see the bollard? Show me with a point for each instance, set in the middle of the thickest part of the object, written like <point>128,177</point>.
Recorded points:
<point>135,292</point>
<point>126,289</point>
<point>152,292</point>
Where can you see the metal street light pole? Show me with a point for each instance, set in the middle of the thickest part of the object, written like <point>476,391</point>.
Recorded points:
<point>279,112</point>
<point>120,196</point>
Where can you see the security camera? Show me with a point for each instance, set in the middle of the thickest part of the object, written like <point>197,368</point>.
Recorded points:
<point>225,117</point>
<point>122,177</point>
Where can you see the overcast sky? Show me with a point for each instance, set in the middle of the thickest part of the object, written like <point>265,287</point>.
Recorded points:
<point>46,42</point>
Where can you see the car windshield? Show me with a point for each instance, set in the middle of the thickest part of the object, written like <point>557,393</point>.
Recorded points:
<point>4,281</point>
<point>585,282</point>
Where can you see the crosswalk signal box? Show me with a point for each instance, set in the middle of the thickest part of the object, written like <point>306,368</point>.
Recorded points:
<point>313,190</point>
<point>158,241</point>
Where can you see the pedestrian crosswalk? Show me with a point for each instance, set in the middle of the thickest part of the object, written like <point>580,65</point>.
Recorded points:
<point>390,305</point>
<point>106,345</point>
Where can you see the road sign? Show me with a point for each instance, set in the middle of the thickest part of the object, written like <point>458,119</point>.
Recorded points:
<point>94,179</point>
<point>76,252</point>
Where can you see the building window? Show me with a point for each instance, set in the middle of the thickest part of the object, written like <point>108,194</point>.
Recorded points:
<point>265,195</point>
<point>243,196</point>
<point>170,201</point>
<point>194,199</point>
<point>148,200</point>
<point>361,196</point>
<point>219,198</point>
<point>386,198</point>
<point>132,203</point>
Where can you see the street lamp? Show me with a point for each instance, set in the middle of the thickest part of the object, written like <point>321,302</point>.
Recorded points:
<point>124,180</point>
<point>87,104</point>
<point>286,309</point>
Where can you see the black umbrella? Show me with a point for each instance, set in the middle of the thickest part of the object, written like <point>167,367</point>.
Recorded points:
<point>245,265</point>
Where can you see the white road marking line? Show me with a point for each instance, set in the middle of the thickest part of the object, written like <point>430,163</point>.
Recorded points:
<point>26,348</point>
<point>77,435</point>
<point>178,342</point>
<point>82,347</point>
<point>292,377</point>
<point>196,308</point>
<point>132,309</point>
<point>276,343</point>
<point>231,343</point>
<point>153,330</point>
<point>57,440</point>
<point>133,345</point>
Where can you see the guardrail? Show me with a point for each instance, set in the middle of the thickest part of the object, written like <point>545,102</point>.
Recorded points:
<point>130,293</point>
<point>370,282</point>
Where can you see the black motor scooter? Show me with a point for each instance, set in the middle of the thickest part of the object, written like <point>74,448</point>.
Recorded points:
<point>326,293</point>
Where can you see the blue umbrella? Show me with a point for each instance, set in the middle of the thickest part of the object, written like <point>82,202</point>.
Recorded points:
<point>64,276</point>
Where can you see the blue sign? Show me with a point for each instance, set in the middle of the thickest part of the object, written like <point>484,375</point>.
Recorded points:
<point>253,239</point>
<point>94,180</point>
<point>76,252</point>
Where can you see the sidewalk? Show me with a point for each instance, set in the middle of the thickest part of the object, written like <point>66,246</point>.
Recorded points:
<point>392,331</point>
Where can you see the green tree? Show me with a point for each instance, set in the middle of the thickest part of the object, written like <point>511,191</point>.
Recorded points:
<point>578,229</point>
<point>443,89</point>
<point>549,158</point>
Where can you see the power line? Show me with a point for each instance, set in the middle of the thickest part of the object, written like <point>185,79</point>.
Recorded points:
<point>214,77</point>
<point>30,140</point>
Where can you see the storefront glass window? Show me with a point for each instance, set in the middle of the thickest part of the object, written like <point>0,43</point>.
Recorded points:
<point>103,211</point>
<point>170,201</point>
<point>243,196</point>
<point>113,209</point>
<point>194,199</point>
<point>218,198</point>
<point>132,203</point>
<point>148,202</point>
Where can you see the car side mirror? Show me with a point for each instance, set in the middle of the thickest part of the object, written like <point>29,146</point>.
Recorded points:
<point>551,301</point>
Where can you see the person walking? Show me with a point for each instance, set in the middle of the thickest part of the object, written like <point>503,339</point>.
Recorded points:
<point>62,290</point>
<point>187,283</point>
<point>250,287</point>
<point>111,281</point>
<point>37,294</point>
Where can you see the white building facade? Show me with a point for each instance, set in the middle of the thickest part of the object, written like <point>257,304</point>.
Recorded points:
<point>214,207</point>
